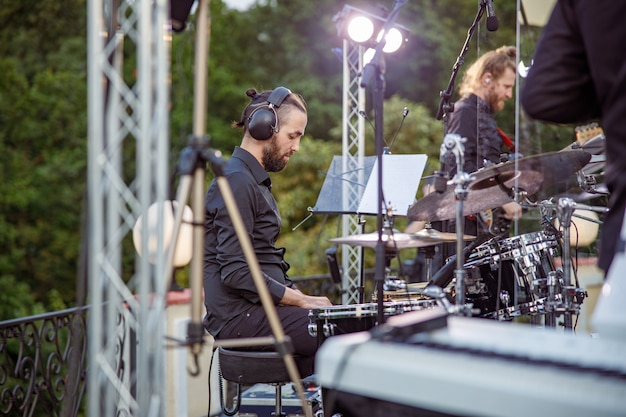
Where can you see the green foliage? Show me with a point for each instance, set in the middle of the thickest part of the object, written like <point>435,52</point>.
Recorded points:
<point>43,115</point>
<point>43,119</point>
<point>16,299</point>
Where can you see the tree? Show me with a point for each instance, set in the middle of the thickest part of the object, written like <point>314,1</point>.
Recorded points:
<point>281,42</point>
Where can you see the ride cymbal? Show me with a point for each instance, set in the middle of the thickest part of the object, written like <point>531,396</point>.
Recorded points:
<point>494,186</point>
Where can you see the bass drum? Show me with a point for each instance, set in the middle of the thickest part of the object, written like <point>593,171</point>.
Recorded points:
<point>501,275</point>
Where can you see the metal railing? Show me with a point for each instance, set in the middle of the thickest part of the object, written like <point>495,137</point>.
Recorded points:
<point>43,364</point>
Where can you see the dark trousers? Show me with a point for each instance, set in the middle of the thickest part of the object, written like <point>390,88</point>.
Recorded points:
<point>294,320</point>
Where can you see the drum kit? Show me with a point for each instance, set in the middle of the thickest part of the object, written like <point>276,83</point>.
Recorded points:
<point>503,278</point>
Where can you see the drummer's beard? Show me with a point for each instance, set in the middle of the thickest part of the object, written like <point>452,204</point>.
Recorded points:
<point>273,160</point>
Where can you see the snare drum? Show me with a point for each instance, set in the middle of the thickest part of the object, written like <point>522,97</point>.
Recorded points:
<point>500,274</point>
<point>342,319</point>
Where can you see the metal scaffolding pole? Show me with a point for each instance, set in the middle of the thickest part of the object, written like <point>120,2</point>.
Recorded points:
<point>353,150</point>
<point>128,145</point>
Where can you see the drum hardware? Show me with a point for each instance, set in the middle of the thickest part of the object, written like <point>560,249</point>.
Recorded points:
<point>531,309</point>
<point>439,295</point>
<point>570,296</point>
<point>505,299</point>
<point>559,299</point>
<point>429,255</point>
<point>341,319</point>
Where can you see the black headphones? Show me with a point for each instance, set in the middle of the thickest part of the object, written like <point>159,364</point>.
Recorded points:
<point>263,122</point>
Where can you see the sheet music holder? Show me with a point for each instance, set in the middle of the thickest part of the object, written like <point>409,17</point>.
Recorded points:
<point>401,177</point>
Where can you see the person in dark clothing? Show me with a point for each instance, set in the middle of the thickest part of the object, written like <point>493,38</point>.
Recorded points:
<point>273,124</point>
<point>485,88</point>
<point>579,75</point>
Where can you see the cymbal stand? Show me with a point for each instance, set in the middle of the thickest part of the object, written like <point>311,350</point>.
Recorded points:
<point>429,255</point>
<point>373,76</point>
<point>453,144</point>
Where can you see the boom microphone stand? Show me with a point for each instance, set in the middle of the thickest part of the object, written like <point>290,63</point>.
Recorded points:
<point>445,106</point>
<point>192,168</point>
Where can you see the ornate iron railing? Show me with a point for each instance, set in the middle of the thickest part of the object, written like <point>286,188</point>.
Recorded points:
<point>43,364</point>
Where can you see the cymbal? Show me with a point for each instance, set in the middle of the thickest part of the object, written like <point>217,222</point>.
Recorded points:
<point>492,185</point>
<point>430,233</point>
<point>395,241</point>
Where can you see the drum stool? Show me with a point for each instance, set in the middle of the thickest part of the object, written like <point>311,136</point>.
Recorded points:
<point>254,367</point>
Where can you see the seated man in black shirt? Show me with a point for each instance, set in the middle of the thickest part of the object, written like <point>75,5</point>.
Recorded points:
<point>273,124</point>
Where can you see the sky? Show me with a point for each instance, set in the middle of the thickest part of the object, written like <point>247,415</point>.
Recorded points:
<point>239,4</point>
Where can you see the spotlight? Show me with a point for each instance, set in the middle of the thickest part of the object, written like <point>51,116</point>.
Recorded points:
<point>366,28</point>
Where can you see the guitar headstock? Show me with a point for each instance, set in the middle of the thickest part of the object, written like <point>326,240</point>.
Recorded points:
<point>587,132</point>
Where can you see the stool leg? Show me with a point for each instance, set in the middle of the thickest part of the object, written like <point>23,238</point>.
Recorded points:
<point>278,412</point>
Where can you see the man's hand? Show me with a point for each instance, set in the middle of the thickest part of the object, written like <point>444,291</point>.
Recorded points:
<point>299,299</point>
<point>512,211</point>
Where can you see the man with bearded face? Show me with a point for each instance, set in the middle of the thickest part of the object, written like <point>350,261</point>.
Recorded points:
<point>485,88</point>
<point>234,309</point>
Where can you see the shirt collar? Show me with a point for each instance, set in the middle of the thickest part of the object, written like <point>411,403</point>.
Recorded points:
<point>260,175</point>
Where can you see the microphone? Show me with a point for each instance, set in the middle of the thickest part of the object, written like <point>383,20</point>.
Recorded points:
<point>364,115</point>
<point>405,113</point>
<point>492,19</point>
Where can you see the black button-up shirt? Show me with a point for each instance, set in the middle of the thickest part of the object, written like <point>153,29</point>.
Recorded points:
<point>472,118</point>
<point>228,285</point>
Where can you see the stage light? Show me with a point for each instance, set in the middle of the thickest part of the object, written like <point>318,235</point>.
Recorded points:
<point>393,40</point>
<point>360,29</point>
<point>366,28</point>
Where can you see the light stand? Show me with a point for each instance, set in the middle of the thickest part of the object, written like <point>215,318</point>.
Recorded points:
<point>373,75</point>
<point>192,166</point>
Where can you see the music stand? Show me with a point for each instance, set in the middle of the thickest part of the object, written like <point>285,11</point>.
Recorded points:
<point>400,178</point>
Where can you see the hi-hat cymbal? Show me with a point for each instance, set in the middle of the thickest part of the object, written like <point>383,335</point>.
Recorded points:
<point>492,186</point>
<point>430,233</point>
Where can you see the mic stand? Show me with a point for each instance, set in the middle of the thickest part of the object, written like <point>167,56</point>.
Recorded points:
<point>445,106</point>
<point>192,166</point>
<point>454,144</point>
<point>374,72</point>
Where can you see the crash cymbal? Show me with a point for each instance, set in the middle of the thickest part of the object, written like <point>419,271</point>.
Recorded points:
<point>492,187</point>
<point>552,167</point>
<point>395,241</point>
<point>591,138</point>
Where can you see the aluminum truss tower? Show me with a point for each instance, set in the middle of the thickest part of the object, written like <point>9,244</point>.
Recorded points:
<point>128,96</point>
<point>353,150</point>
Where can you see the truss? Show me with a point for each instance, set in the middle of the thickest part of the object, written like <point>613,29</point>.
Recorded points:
<point>128,95</point>
<point>353,150</point>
